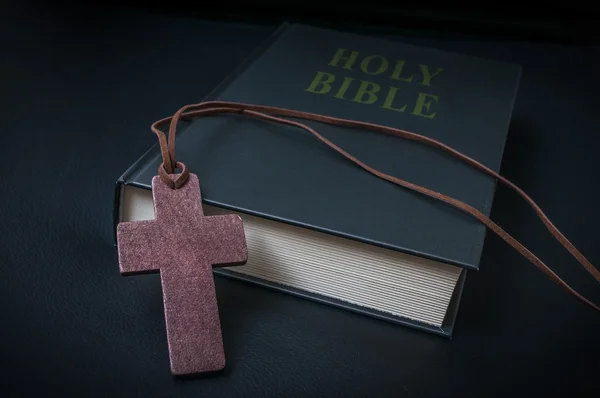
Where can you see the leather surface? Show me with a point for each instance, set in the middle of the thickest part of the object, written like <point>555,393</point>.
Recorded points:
<point>78,97</point>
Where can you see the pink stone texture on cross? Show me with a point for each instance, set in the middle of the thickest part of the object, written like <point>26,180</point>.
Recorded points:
<point>183,245</point>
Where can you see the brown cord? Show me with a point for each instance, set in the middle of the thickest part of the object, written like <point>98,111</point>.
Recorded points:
<point>169,164</point>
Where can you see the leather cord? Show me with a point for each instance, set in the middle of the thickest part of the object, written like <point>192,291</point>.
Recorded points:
<point>274,114</point>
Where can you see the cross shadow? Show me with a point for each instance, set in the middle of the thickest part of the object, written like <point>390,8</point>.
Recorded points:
<point>206,375</point>
<point>239,307</point>
<point>242,305</point>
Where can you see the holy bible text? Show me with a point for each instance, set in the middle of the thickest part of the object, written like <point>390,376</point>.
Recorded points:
<point>391,97</point>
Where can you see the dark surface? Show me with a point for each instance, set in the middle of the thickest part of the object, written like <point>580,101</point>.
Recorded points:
<point>568,22</point>
<point>77,99</point>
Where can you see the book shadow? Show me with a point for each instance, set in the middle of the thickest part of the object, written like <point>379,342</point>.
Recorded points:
<point>487,291</point>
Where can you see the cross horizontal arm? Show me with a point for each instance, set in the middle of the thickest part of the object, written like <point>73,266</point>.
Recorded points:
<point>226,239</point>
<point>139,247</point>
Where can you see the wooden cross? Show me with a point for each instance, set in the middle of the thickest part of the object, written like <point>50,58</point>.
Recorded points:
<point>183,245</point>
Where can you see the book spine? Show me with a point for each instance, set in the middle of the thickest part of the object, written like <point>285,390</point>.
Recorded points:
<point>452,311</point>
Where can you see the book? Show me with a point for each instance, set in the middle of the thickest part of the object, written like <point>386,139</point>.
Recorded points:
<point>319,227</point>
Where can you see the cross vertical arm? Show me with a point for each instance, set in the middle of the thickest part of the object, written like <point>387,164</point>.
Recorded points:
<point>177,204</point>
<point>192,319</point>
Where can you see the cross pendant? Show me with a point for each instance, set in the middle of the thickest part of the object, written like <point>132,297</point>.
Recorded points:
<point>183,245</point>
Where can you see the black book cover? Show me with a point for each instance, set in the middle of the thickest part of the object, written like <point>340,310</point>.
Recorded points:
<point>285,174</point>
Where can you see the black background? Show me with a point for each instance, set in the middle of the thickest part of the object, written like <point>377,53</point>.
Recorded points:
<point>80,86</point>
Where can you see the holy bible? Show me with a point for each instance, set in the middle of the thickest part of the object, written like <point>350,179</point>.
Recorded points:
<point>318,226</point>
